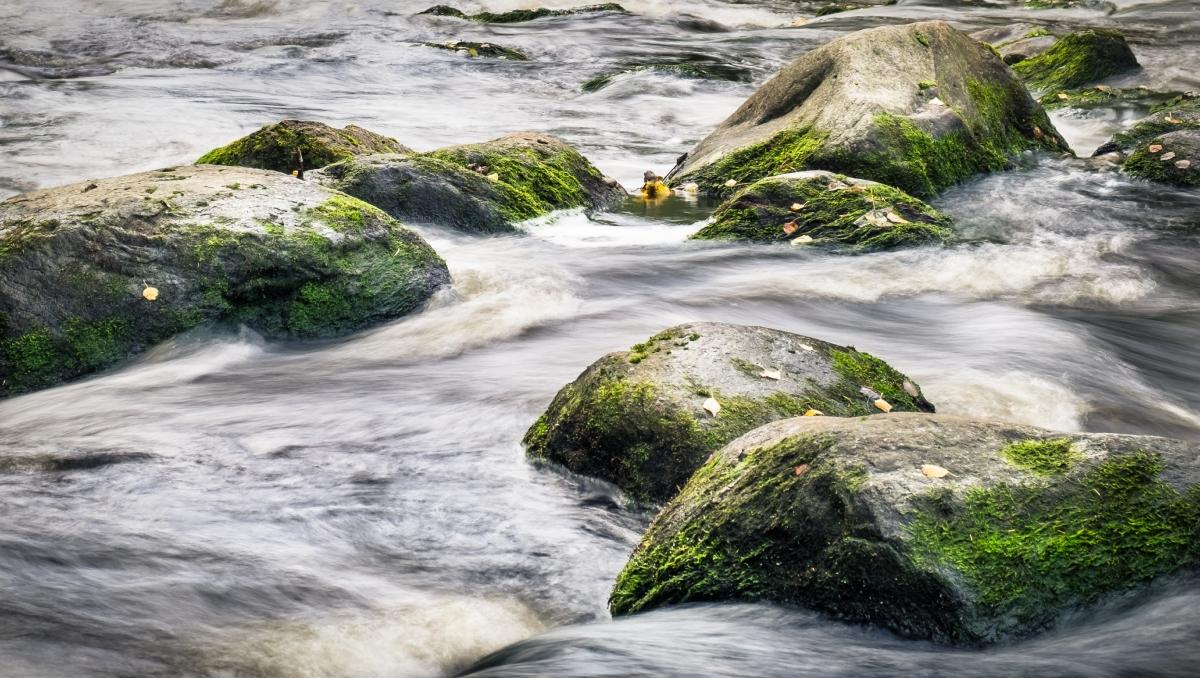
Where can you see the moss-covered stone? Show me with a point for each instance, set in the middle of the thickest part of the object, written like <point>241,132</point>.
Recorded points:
<point>486,50</point>
<point>695,67</point>
<point>1173,158</point>
<point>636,418</point>
<point>833,210</point>
<point>1179,113</point>
<point>1103,96</point>
<point>920,106</point>
<point>285,257</point>
<point>300,145</point>
<point>485,187</point>
<point>836,515</point>
<point>1078,59</point>
<point>520,15</point>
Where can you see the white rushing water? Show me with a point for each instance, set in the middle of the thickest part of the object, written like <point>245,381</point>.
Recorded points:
<point>226,506</point>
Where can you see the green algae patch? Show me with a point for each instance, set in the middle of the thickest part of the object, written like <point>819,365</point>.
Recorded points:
<point>833,209</point>
<point>1101,96</point>
<point>786,152</point>
<point>1044,457</point>
<point>520,15</point>
<point>1078,59</point>
<point>476,50</point>
<point>1173,158</point>
<point>293,145</point>
<point>533,179</point>
<point>1032,549</point>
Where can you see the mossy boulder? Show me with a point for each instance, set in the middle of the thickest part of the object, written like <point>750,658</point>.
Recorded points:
<point>1078,59</point>
<point>637,418</point>
<point>920,107</point>
<point>1173,158</point>
<point>520,15</point>
<point>217,245</point>
<point>486,50</point>
<point>485,188</point>
<point>823,208</point>
<point>293,145</point>
<point>1180,113</point>
<point>936,527</point>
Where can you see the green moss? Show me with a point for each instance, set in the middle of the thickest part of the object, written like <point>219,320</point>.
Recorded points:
<point>1099,96</point>
<point>1078,59</point>
<point>926,84</point>
<point>519,15</point>
<point>478,49</point>
<point>93,345</point>
<point>786,152</point>
<point>1044,457</point>
<point>850,215</point>
<point>921,38</point>
<point>531,181</point>
<point>22,235</point>
<point>345,214</point>
<point>1033,549</point>
<point>30,360</point>
<point>858,369</point>
<point>281,146</point>
<point>1146,165</point>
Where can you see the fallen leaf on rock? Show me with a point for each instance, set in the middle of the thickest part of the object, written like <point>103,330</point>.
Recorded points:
<point>712,406</point>
<point>934,471</point>
<point>731,183</point>
<point>797,206</point>
<point>1167,156</point>
<point>150,293</point>
<point>1155,148</point>
<point>896,218</point>
<point>690,187</point>
<point>1037,132</point>
<point>802,240</point>
<point>911,388</point>
<point>883,405</point>
<point>1174,120</point>
<point>790,227</point>
<point>493,177</point>
<point>1102,88</point>
<point>814,413</point>
<point>771,374</point>
<point>801,469</point>
<point>1183,164</point>
<point>1063,96</point>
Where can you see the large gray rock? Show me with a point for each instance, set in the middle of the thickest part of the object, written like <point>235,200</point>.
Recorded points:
<point>935,527</point>
<point>218,244</point>
<point>486,187</point>
<point>637,418</point>
<point>920,107</point>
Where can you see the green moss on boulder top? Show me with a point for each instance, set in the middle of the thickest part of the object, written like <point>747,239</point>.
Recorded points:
<point>1180,113</point>
<point>838,516</point>
<point>480,49</point>
<point>833,209</point>
<point>219,244</point>
<point>1173,158</point>
<point>1078,59</point>
<point>486,187</point>
<point>637,418</point>
<point>293,145</point>
<point>862,106</point>
<point>520,15</point>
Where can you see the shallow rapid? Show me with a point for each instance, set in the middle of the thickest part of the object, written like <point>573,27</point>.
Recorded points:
<point>228,506</point>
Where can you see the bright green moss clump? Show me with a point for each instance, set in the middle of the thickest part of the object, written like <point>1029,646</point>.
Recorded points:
<point>1044,457</point>
<point>1033,549</point>
<point>1078,59</point>
<point>786,152</point>
<point>863,216</point>
<point>299,144</point>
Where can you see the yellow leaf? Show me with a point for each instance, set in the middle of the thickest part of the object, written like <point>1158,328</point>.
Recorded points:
<point>150,293</point>
<point>883,405</point>
<point>814,413</point>
<point>934,471</point>
<point>493,177</point>
<point>712,406</point>
<point>896,218</point>
<point>1063,96</point>
<point>802,240</point>
<point>797,206</point>
<point>731,183</point>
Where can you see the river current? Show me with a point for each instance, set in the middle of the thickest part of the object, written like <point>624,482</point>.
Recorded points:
<point>225,506</point>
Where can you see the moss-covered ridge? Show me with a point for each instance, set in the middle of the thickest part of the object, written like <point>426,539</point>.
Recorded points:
<point>825,208</point>
<point>217,244</point>
<point>920,107</point>
<point>636,418</point>
<point>837,515</point>
<point>1078,59</point>
<point>520,15</point>
<point>298,145</point>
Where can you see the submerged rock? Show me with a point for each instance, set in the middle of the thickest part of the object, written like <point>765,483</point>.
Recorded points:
<point>293,145</point>
<point>825,208</point>
<point>95,272</point>
<point>520,15</point>
<point>1017,42</point>
<point>480,49</point>
<point>642,418</point>
<point>1077,59</point>
<point>696,68</point>
<point>934,527</point>
<point>920,106</point>
<point>484,187</point>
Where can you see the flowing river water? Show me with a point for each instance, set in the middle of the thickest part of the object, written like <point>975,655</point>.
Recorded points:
<point>225,506</point>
